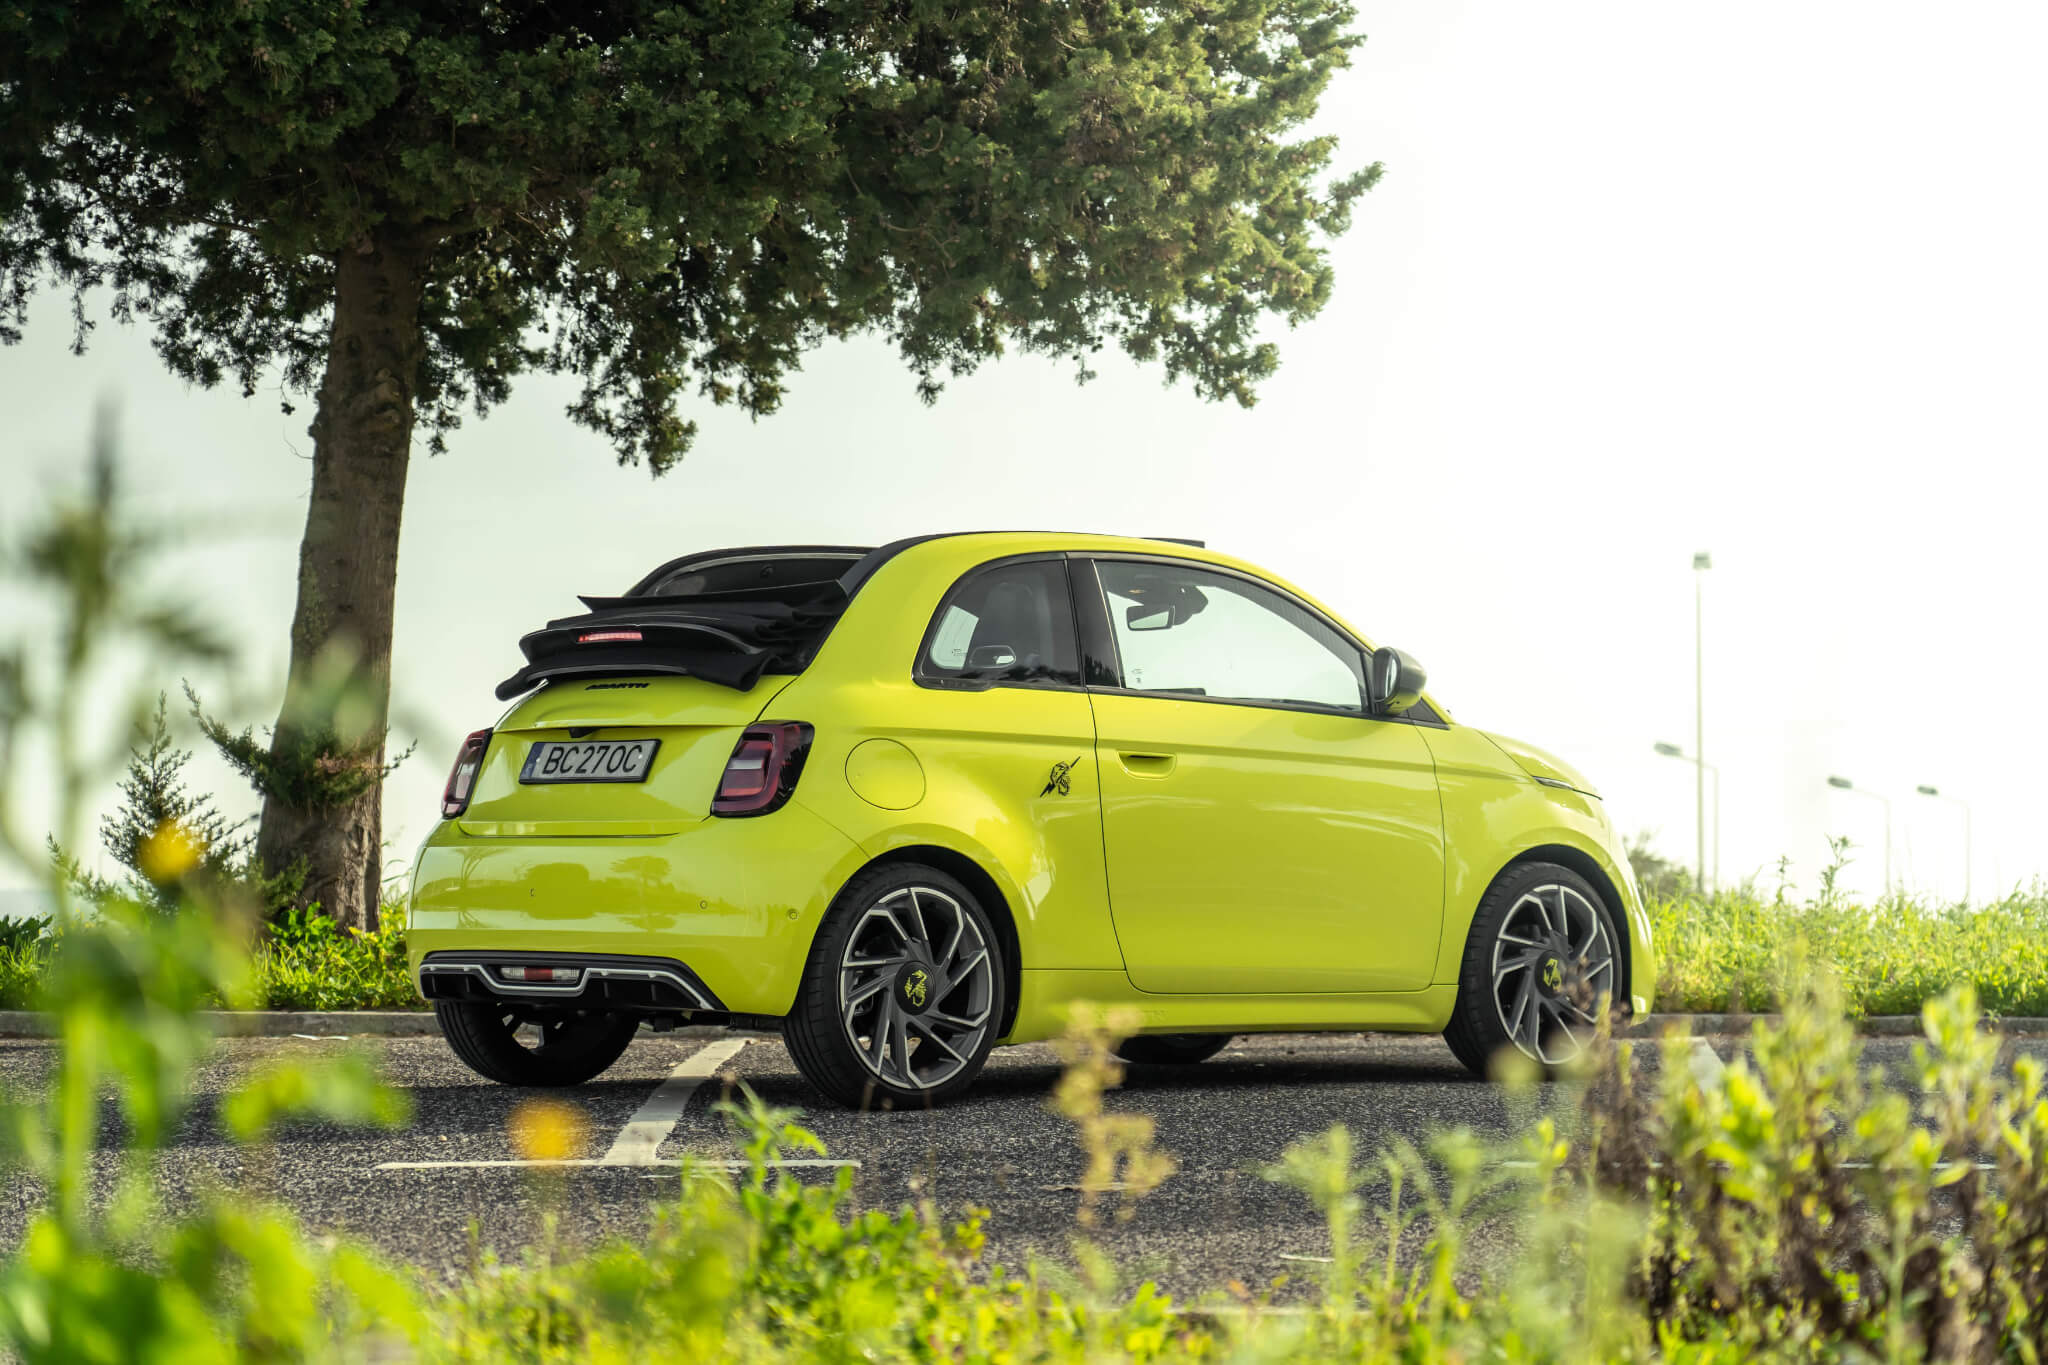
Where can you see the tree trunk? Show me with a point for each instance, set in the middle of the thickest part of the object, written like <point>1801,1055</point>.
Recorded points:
<point>348,570</point>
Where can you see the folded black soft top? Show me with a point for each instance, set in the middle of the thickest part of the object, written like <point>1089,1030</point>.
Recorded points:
<point>726,616</point>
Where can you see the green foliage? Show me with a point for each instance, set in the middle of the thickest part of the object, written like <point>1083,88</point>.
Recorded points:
<point>102,1274</point>
<point>308,962</point>
<point>313,766</point>
<point>154,798</point>
<point>652,196</point>
<point>1719,952</point>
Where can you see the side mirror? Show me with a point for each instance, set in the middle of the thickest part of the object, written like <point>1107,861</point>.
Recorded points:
<point>1394,682</point>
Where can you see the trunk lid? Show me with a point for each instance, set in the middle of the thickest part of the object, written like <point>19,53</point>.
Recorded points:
<point>696,723</point>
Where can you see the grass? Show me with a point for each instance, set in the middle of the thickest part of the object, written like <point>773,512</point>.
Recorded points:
<point>304,962</point>
<point>1715,953</point>
<point>1718,953</point>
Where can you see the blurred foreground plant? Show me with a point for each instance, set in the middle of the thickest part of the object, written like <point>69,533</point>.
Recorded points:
<point>114,1277</point>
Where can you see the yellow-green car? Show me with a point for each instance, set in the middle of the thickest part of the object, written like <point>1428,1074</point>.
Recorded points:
<point>907,803</point>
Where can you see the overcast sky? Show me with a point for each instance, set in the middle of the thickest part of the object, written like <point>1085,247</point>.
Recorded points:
<point>1635,285</point>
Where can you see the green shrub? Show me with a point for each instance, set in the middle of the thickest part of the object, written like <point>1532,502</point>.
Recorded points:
<point>1720,952</point>
<point>305,961</point>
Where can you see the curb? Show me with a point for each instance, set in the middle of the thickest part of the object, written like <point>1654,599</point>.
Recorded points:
<point>1869,1026</point>
<point>265,1023</point>
<point>420,1024</point>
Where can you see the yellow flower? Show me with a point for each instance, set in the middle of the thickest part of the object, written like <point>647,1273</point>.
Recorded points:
<point>547,1130</point>
<point>169,853</point>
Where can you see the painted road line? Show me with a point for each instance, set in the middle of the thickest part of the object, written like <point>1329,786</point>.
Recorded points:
<point>600,1163</point>
<point>1839,1165</point>
<point>1706,1064</point>
<point>644,1133</point>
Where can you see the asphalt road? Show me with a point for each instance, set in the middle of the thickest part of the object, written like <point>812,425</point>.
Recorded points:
<point>415,1193</point>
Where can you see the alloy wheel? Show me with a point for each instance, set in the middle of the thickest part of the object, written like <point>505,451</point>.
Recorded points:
<point>1553,970</point>
<point>916,987</point>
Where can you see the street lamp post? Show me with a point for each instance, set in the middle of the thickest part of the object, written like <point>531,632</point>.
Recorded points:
<point>1844,784</point>
<point>1673,751</point>
<point>1956,800</point>
<point>1701,562</point>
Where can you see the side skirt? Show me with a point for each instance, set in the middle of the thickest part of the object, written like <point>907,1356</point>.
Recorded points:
<point>1046,994</point>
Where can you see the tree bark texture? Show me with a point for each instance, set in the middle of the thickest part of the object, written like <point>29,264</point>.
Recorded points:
<point>348,570</point>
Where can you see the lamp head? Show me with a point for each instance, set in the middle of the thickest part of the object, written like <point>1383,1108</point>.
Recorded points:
<point>1844,783</point>
<point>1928,791</point>
<point>1670,750</point>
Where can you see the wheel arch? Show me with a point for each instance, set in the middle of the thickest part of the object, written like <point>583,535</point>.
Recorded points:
<point>1587,866</point>
<point>988,891</point>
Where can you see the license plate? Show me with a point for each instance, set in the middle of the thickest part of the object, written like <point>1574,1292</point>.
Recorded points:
<point>590,760</point>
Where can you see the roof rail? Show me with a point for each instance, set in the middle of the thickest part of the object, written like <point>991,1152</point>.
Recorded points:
<point>1179,540</point>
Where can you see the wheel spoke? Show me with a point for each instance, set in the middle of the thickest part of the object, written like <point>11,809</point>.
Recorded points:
<point>860,995</point>
<point>932,1035</point>
<point>1524,998</point>
<point>899,1037</point>
<point>896,961</point>
<point>1593,936</point>
<point>924,933</point>
<point>955,1022</point>
<point>1520,962</point>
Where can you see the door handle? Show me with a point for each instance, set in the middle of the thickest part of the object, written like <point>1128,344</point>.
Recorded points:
<point>1146,765</point>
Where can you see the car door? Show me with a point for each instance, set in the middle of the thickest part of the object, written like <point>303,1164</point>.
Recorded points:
<point>1263,832</point>
<point>1005,739</point>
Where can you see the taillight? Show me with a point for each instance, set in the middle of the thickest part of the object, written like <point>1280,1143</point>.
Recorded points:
<point>763,769</point>
<point>462,777</point>
<point>609,637</point>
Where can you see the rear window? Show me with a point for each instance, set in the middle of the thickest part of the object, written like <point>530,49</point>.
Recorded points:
<point>1013,623</point>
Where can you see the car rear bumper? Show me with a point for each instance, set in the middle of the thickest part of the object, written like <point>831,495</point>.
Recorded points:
<point>726,908</point>
<point>605,981</point>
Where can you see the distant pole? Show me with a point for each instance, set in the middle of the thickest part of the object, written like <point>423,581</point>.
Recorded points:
<point>1968,851</point>
<point>1701,562</point>
<point>1844,784</point>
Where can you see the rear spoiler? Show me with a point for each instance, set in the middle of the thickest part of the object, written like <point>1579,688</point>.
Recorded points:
<point>728,638</point>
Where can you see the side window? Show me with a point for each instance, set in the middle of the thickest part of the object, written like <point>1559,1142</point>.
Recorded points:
<point>1185,630</point>
<point>1010,624</point>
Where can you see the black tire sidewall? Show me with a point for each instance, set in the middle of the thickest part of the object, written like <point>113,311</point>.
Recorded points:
<point>813,1030</point>
<point>476,1034</point>
<point>1475,1032</point>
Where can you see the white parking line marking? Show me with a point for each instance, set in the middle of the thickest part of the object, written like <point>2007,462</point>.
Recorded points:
<point>644,1133</point>
<point>594,1163</point>
<point>1707,1065</point>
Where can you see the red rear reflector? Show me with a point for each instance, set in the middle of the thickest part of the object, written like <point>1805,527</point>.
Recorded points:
<point>462,777</point>
<point>609,637</point>
<point>548,975</point>
<point>763,769</point>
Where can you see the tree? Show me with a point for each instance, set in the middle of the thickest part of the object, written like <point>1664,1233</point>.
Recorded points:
<point>156,807</point>
<point>401,206</point>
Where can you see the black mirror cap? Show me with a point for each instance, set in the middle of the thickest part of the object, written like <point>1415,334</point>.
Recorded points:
<point>1394,680</point>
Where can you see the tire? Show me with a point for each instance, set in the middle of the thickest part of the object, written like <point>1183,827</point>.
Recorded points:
<point>1172,1049</point>
<point>903,993</point>
<point>573,1047</point>
<point>1525,984</point>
